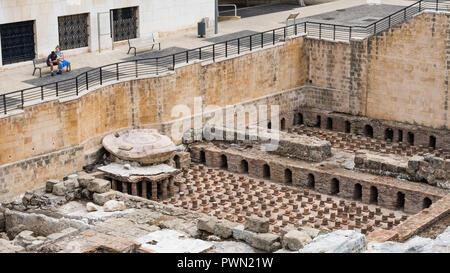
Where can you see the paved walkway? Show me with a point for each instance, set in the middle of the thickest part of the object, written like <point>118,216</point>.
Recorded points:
<point>19,77</point>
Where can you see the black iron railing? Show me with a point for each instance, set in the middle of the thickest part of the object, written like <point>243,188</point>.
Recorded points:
<point>155,66</point>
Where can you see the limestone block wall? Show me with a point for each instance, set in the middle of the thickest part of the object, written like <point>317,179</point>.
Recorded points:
<point>55,125</point>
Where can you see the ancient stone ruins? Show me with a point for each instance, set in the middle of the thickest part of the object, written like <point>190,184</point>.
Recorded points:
<point>305,145</point>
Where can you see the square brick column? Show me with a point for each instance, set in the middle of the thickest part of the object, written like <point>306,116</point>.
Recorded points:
<point>124,187</point>
<point>134,189</point>
<point>171,187</point>
<point>154,191</point>
<point>113,185</point>
<point>164,185</point>
<point>144,189</point>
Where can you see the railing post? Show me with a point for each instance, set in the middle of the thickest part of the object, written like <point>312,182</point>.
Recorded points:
<point>226,49</point>
<point>375,28</point>
<point>42,92</point>
<point>350,34</point>
<point>56,89</point>
<point>405,14</point>
<point>262,39</point>
<point>334,32</point>
<point>214,52</point>
<point>187,56</point>
<point>136,67</point>
<point>117,71</point>
<point>157,61</point>
<point>4,104</point>
<point>87,81</point>
<point>389,21</point>
<point>101,78</point>
<point>295,29</point>
<point>76,82</point>
<point>200,53</point>
<point>239,46</point>
<point>21,97</point>
<point>173,61</point>
<point>273,36</point>
<point>305,26</point>
<point>420,6</point>
<point>320,31</point>
<point>284,33</point>
<point>437,3</point>
<point>250,42</point>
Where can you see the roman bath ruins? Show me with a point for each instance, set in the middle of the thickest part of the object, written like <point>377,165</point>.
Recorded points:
<point>294,140</point>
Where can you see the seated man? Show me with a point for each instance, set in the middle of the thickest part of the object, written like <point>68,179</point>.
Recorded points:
<point>52,60</point>
<point>63,62</point>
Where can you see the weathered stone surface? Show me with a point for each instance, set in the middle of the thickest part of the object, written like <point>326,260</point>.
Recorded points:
<point>257,224</point>
<point>232,247</point>
<point>312,232</point>
<point>141,145</point>
<point>113,205</point>
<point>13,231</point>
<point>178,224</point>
<point>341,241</point>
<point>286,229</point>
<point>266,241</point>
<point>49,185</point>
<point>85,193</point>
<point>206,224</point>
<point>84,179</point>
<point>62,234</point>
<point>71,184</point>
<point>171,241</point>
<point>8,247</point>
<point>2,221</point>
<point>224,228</point>
<point>90,207</point>
<point>24,238</point>
<point>101,198</point>
<point>295,240</point>
<point>442,242</point>
<point>60,189</point>
<point>99,185</point>
<point>239,233</point>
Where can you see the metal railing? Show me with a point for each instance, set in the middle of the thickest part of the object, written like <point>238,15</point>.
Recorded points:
<point>157,65</point>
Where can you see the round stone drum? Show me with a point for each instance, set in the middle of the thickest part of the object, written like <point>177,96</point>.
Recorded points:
<point>145,146</point>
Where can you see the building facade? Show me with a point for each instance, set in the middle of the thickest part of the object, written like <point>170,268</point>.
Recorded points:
<point>30,29</point>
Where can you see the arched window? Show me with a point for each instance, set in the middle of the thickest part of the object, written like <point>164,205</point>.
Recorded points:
<point>368,131</point>
<point>348,127</point>
<point>400,200</point>
<point>299,119</point>
<point>266,171</point>
<point>432,142</point>
<point>411,138</point>
<point>202,157</point>
<point>319,122</point>
<point>373,195</point>
<point>426,203</point>
<point>334,186</point>
<point>223,162</point>
<point>244,166</point>
<point>283,124</point>
<point>311,181</point>
<point>357,193</point>
<point>389,134</point>
<point>329,123</point>
<point>288,176</point>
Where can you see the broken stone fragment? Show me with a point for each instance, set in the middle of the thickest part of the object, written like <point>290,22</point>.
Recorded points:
<point>113,205</point>
<point>84,179</point>
<point>8,247</point>
<point>266,241</point>
<point>239,233</point>
<point>12,232</point>
<point>49,185</point>
<point>24,238</point>
<point>257,224</point>
<point>312,232</point>
<point>71,184</point>
<point>91,207</point>
<point>99,185</point>
<point>85,193</point>
<point>341,241</point>
<point>59,189</point>
<point>101,198</point>
<point>206,224</point>
<point>295,240</point>
<point>224,229</point>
